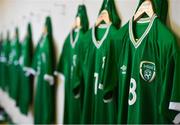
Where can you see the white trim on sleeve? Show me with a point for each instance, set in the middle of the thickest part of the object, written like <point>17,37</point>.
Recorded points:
<point>174,106</point>
<point>77,96</point>
<point>29,71</point>
<point>56,73</point>
<point>177,119</point>
<point>49,78</point>
<point>107,100</point>
<point>3,59</point>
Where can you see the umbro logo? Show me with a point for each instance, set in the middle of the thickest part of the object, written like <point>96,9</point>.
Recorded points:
<point>123,69</point>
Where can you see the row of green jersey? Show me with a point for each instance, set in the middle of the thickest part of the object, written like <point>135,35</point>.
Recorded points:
<point>72,106</point>
<point>95,91</point>
<point>13,79</point>
<point>92,57</point>
<point>43,67</point>
<point>16,66</point>
<point>126,73</point>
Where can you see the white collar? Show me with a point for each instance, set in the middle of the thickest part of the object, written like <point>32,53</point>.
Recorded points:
<point>73,42</point>
<point>131,34</point>
<point>96,42</point>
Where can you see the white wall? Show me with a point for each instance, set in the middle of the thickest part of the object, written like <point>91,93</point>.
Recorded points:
<point>19,12</point>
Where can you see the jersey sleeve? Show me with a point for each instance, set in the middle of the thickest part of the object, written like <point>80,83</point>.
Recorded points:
<point>170,105</point>
<point>48,60</point>
<point>77,78</point>
<point>110,76</point>
<point>61,67</point>
<point>33,69</point>
<point>174,105</point>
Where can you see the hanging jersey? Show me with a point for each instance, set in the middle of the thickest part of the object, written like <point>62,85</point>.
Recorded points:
<point>14,69</point>
<point>44,95</point>
<point>147,60</point>
<point>67,63</point>
<point>89,74</point>
<point>25,92</point>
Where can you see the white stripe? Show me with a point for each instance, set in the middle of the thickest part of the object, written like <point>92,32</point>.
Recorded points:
<point>102,26</point>
<point>177,119</point>
<point>144,20</point>
<point>29,70</point>
<point>49,79</point>
<point>101,86</point>
<point>77,96</point>
<point>3,59</point>
<point>107,100</point>
<point>96,42</point>
<point>132,38</point>
<point>56,73</point>
<point>73,43</point>
<point>16,62</point>
<point>174,106</point>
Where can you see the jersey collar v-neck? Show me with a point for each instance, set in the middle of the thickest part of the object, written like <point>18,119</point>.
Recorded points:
<point>96,42</point>
<point>73,42</point>
<point>131,34</point>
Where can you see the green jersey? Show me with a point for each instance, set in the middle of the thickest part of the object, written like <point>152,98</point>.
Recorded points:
<point>44,95</point>
<point>4,64</point>
<point>147,61</point>
<point>67,62</point>
<point>1,40</point>
<point>25,93</point>
<point>160,7</point>
<point>89,74</point>
<point>14,69</point>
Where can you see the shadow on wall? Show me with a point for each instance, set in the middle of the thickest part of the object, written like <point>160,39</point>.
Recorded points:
<point>177,31</point>
<point>172,24</point>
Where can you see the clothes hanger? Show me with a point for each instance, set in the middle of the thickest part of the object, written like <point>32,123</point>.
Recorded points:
<point>104,16</point>
<point>77,23</point>
<point>146,7</point>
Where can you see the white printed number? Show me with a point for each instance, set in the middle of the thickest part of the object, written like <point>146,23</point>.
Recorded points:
<point>96,76</point>
<point>132,90</point>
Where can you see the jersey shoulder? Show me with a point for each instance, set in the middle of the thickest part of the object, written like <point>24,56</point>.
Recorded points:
<point>166,37</point>
<point>164,33</point>
<point>120,33</point>
<point>86,37</point>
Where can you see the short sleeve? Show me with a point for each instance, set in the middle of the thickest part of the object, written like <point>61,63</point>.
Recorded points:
<point>35,57</point>
<point>170,105</point>
<point>174,105</point>
<point>77,78</point>
<point>63,59</point>
<point>47,60</point>
<point>175,94</point>
<point>110,75</point>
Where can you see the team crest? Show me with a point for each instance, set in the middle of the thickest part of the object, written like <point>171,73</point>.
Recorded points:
<point>147,71</point>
